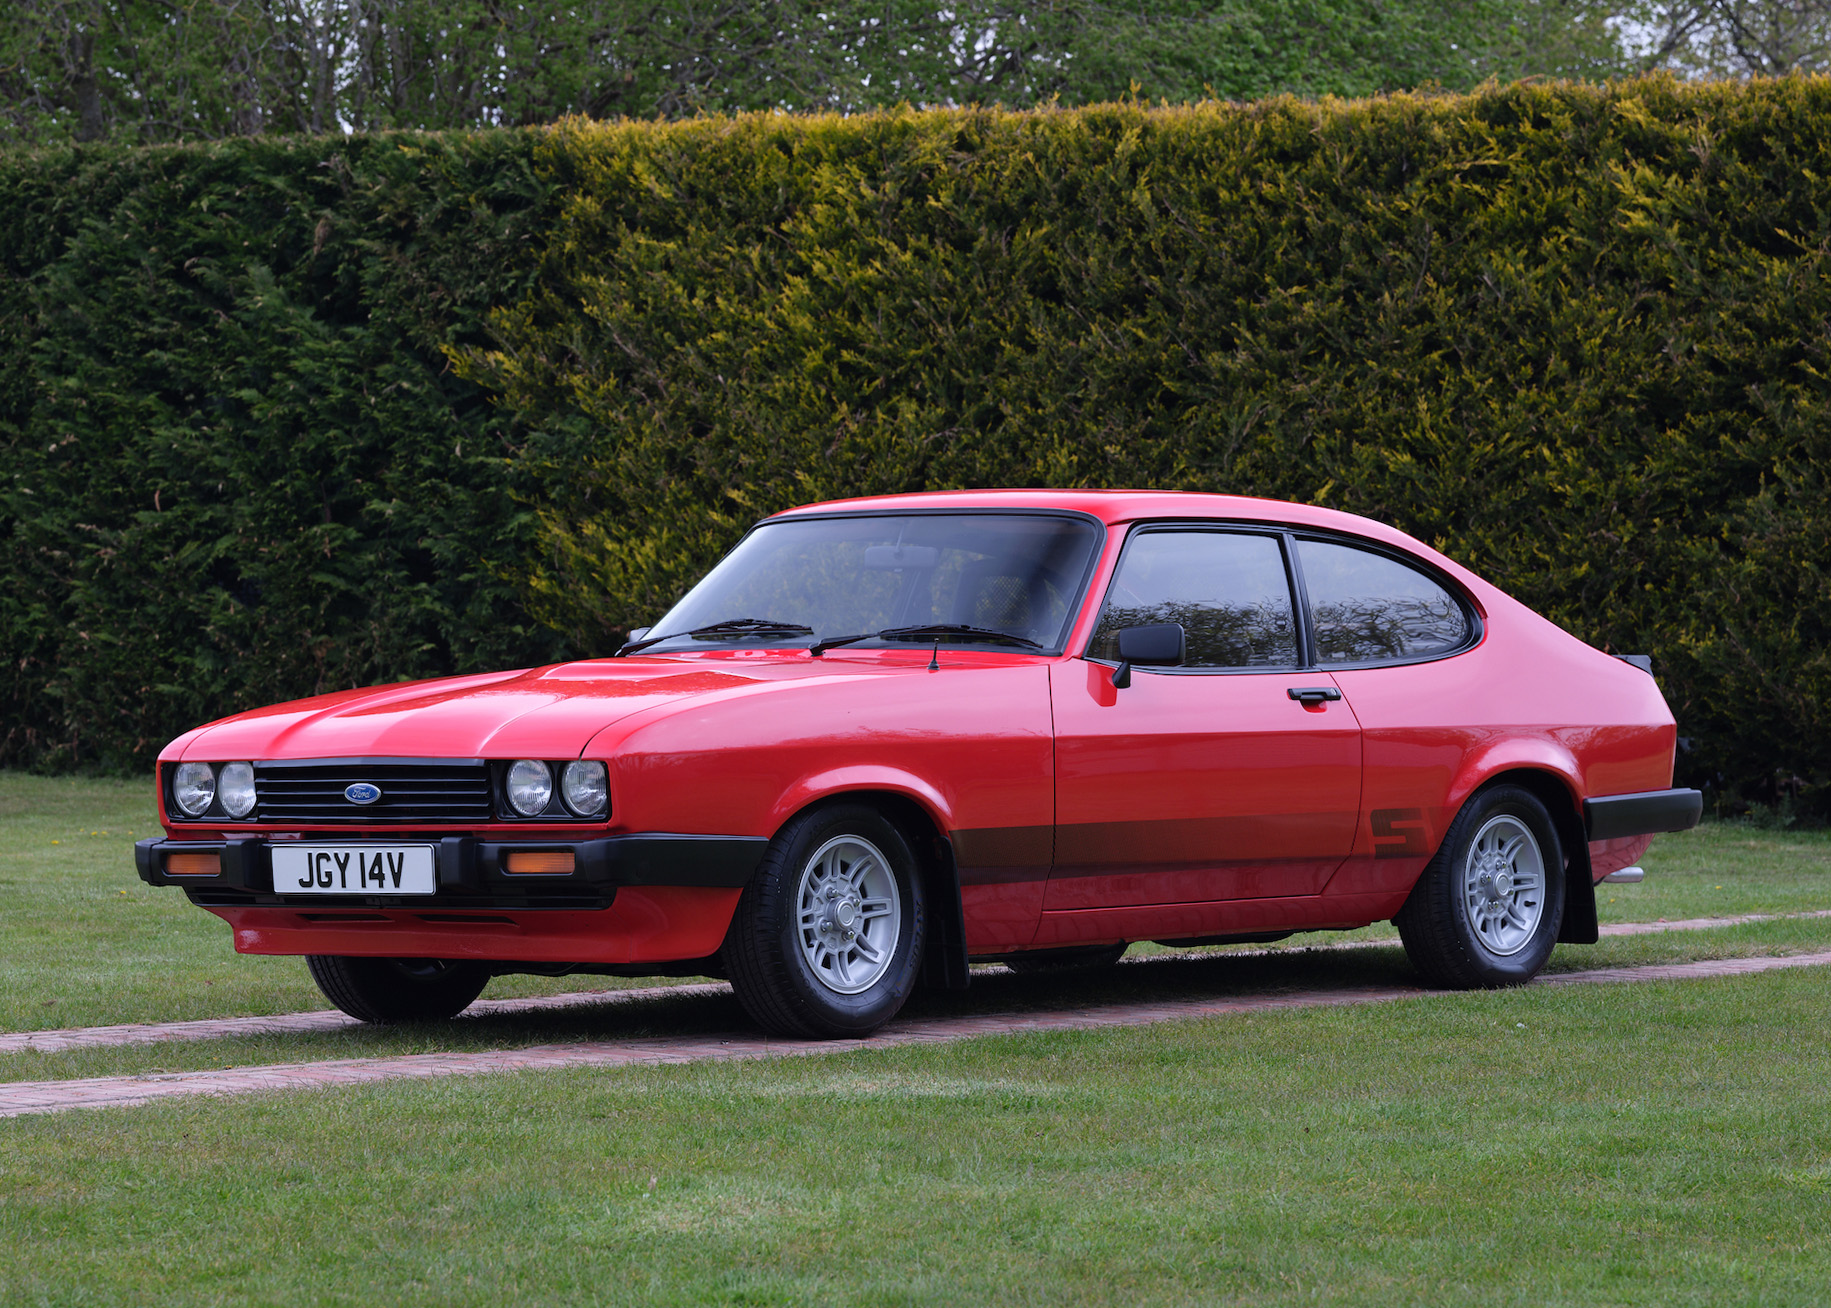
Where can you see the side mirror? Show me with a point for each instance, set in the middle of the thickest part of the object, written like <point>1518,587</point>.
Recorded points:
<point>636,634</point>
<point>1161,645</point>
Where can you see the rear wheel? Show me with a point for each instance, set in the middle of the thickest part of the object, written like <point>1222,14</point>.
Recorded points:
<point>383,990</point>
<point>827,940</point>
<point>1487,909</point>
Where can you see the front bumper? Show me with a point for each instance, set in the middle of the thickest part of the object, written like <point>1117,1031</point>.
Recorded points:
<point>471,871</point>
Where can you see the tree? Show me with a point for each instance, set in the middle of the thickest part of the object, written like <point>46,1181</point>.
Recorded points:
<point>1732,38</point>
<point>163,70</point>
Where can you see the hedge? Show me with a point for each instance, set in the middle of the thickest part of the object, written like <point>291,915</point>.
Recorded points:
<point>1574,336</point>
<point>237,467</point>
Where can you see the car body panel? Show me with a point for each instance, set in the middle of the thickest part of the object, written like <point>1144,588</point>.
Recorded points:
<point>1186,805</point>
<point>1187,787</point>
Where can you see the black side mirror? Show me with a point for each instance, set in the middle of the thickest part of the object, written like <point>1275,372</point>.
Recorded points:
<point>1161,645</point>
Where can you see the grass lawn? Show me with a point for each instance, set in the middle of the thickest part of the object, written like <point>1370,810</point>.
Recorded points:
<point>1661,1144</point>
<point>84,942</point>
<point>1657,1144</point>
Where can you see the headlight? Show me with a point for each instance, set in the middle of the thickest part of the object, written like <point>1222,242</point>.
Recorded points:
<point>586,788</point>
<point>236,786</point>
<point>194,786</point>
<point>530,787</point>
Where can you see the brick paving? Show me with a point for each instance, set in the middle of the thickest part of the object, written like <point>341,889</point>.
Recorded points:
<point>225,1028</point>
<point>24,1097</point>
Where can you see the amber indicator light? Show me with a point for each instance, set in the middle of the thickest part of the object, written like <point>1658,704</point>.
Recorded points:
<point>193,865</point>
<point>540,862</point>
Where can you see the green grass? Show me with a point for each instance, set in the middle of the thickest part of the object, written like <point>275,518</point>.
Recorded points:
<point>1660,1144</point>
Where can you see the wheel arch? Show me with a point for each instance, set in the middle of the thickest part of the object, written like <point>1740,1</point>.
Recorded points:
<point>1557,792</point>
<point>944,963</point>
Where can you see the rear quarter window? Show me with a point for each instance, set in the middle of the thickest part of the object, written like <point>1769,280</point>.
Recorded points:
<point>1367,607</point>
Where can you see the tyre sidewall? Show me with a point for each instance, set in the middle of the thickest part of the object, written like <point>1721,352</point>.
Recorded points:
<point>821,1008</point>
<point>1489,968</point>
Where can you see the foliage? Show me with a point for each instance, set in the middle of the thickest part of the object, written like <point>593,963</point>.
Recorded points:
<point>1730,38</point>
<point>147,71</point>
<point>1575,337</point>
<point>233,464</point>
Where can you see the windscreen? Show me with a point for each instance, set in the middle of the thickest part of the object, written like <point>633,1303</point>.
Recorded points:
<point>1017,574</point>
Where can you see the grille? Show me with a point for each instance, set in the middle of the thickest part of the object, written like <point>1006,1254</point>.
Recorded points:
<point>442,790</point>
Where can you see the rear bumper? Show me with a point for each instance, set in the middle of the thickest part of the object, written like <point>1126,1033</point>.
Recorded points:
<point>1612,817</point>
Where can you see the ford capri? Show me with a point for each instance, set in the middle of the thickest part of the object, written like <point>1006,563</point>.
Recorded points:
<point>884,739</point>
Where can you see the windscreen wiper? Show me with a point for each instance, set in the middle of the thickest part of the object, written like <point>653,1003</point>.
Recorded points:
<point>820,647</point>
<point>934,631</point>
<point>955,631</point>
<point>730,628</point>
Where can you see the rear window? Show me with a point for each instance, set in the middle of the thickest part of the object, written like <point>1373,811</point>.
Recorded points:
<point>1370,608</point>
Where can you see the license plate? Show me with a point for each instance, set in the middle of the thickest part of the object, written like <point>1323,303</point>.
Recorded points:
<point>354,870</point>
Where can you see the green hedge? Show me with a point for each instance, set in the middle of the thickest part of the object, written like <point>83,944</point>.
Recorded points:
<point>237,467</point>
<point>1575,336</point>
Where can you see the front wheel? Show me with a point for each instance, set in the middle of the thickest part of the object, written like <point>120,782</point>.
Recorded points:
<point>827,940</point>
<point>1487,909</point>
<point>384,990</point>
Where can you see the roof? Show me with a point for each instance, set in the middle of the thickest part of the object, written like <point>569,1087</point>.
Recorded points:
<point>1120,506</point>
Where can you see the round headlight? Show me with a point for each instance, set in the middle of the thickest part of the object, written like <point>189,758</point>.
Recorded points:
<point>236,787</point>
<point>194,786</point>
<point>585,785</point>
<point>530,787</point>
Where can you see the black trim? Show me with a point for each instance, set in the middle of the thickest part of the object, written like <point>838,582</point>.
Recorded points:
<point>666,860</point>
<point>1647,812</point>
<point>470,870</point>
<point>944,962</point>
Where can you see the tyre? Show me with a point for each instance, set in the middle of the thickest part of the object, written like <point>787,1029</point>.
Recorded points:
<point>1487,909</point>
<point>383,990</point>
<point>1052,962</point>
<point>827,939</point>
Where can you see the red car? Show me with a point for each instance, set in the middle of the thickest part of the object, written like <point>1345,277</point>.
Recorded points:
<point>887,737</point>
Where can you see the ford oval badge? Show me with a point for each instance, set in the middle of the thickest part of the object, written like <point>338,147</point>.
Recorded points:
<point>362,793</point>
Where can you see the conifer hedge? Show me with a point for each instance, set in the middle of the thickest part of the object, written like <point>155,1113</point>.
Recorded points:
<point>234,464</point>
<point>1574,336</point>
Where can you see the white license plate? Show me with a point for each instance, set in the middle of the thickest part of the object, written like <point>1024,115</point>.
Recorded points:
<point>354,870</point>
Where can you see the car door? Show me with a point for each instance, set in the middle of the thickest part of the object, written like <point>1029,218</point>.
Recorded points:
<point>1217,779</point>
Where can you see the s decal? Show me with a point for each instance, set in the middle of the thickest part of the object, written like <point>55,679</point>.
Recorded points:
<point>1399,833</point>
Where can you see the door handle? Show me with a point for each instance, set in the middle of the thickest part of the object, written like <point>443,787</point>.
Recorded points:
<point>1307,695</point>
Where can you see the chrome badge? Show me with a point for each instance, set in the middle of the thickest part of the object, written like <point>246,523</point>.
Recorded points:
<point>362,793</point>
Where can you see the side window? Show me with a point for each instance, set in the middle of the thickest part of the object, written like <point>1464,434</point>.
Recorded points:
<point>1227,589</point>
<point>1368,608</point>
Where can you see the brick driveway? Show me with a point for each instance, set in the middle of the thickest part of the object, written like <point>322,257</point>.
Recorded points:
<point>225,1028</point>
<point>23,1097</point>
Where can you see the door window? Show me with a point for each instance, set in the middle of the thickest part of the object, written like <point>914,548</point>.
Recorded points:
<point>1369,608</point>
<point>1229,590</point>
